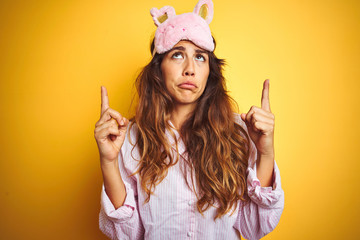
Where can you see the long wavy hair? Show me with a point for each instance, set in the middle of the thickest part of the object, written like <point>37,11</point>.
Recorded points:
<point>217,148</point>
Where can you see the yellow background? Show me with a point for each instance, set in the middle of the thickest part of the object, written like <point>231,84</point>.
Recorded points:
<point>55,55</point>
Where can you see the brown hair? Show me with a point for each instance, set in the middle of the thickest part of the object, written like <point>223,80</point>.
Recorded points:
<point>217,147</point>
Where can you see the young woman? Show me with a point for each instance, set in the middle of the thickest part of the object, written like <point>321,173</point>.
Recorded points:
<point>186,166</point>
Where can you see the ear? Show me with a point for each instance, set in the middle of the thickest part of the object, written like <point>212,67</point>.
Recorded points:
<point>160,16</point>
<point>205,9</point>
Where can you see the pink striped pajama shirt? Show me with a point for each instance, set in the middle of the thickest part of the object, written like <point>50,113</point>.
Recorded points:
<point>172,214</point>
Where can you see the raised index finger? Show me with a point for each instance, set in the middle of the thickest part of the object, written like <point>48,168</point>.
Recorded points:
<point>104,100</point>
<point>265,101</point>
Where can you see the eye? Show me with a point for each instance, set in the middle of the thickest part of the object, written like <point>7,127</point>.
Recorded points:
<point>200,58</point>
<point>177,55</point>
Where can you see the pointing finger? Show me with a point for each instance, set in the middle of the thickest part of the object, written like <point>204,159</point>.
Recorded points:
<point>104,100</point>
<point>265,101</point>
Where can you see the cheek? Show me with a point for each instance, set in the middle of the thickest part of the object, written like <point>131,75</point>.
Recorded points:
<point>205,77</point>
<point>204,82</point>
<point>165,68</point>
<point>165,73</point>
<point>168,78</point>
<point>170,74</point>
<point>168,86</point>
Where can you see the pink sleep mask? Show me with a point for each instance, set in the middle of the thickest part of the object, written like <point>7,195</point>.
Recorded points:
<point>192,26</point>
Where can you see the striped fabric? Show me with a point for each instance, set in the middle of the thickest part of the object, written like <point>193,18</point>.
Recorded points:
<point>172,214</point>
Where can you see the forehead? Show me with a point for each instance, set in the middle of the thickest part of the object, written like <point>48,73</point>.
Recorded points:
<point>187,44</point>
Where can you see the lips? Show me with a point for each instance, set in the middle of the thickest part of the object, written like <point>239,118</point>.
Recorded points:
<point>187,85</point>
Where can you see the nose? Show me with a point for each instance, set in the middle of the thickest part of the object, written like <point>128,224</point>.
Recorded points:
<point>189,69</point>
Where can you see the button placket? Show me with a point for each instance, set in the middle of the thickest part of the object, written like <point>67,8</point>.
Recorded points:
<point>192,220</point>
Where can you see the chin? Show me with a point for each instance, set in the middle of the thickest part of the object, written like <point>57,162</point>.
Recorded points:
<point>186,101</point>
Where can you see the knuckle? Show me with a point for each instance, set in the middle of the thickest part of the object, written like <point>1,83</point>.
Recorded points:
<point>114,130</point>
<point>97,126</point>
<point>117,130</point>
<point>96,133</point>
<point>113,122</point>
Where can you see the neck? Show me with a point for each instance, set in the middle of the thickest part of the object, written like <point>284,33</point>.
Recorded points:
<point>180,114</point>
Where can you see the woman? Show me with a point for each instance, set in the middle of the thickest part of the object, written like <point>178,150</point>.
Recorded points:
<point>185,166</point>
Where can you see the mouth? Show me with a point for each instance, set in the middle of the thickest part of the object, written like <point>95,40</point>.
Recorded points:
<point>187,85</point>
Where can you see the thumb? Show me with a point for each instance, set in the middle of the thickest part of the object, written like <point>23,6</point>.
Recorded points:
<point>123,130</point>
<point>243,116</point>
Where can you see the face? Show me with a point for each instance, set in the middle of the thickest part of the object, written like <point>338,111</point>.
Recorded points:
<point>185,69</point>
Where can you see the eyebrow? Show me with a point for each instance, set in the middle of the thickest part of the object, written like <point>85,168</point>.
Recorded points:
<point>181,48</point>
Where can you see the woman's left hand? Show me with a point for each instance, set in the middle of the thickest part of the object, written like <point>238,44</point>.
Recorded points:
<point>260,123</point>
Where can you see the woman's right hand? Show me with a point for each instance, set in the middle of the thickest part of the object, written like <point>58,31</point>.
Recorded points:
<point>110,131</point>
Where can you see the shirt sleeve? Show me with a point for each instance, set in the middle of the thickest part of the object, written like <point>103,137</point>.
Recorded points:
<point>123,222</point>
<point>261,214</point>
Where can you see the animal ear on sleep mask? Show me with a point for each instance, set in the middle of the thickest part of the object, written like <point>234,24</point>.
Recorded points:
<point>192,26</point>
<point>204,8</point>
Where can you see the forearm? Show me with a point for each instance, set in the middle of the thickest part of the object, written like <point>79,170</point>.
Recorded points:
<point>113,183</point>
<point>265,169</point>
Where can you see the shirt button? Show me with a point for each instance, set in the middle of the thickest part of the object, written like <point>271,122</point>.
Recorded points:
<point>189,202</point>
<point>189,234</point>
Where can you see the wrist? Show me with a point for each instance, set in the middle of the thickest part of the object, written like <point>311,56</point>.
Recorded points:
<point>108,164</point>
<point>110,171</point>
<point>267,156</point>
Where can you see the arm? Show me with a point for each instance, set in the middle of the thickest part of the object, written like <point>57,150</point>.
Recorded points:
<point>260,124</point>
<point>261,214</point>
<point>265,169</point>
<point>119,216</point>
<point>113,183</point>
